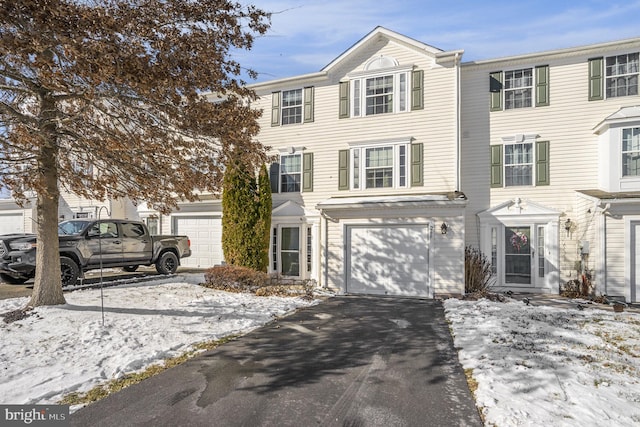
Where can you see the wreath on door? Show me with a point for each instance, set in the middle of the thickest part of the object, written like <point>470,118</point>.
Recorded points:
<point>519,240</point>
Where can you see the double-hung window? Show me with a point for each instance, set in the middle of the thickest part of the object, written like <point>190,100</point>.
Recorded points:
<point>290,173</point>
<point>622,75</point>
<point>518,164</point>
<point>631,151</point>
<point>382,92</point>
<point>379,166</point>
<point>522,88</point>
<point>520,161</point>
<point>291,106</point>
<point>518,88</point>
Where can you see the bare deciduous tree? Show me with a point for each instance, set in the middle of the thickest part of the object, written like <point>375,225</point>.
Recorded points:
<point>118,84</point>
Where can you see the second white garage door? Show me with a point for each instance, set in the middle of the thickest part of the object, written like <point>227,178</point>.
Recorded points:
<point>11,223</point>
<point>205,233</point>
<point>388,260</point>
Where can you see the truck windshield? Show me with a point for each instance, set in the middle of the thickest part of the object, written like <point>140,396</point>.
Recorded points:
<point>71,227</point>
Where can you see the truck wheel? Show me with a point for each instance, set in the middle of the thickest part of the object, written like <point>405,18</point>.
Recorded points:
<point>12,280</point>
<point>167,263</point>
<point>69,271</point>
<point>130,268</point>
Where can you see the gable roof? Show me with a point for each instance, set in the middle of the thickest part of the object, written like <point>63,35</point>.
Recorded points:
<point>377,34</point>
<point>374,36</point>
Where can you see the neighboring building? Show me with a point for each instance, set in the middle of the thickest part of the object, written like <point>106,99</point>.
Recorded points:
<point>396,155</point>
<point>551,155</point>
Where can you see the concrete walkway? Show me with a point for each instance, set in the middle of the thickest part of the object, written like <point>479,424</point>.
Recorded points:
<point>349,361</point>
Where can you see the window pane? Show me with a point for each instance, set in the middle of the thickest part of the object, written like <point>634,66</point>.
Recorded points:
<point>309,249</point>
<point>518,160</point>
<point>631,152</point>
<point>290,239</point>
<point>378,157</point>
<point>274,249</point>
<point>517,255</point>
<point>403,92</point>
<point>379,94</point>
<point>622,75</point>
<point>356,168</point>
<point>290,264</point>
<point>290,251</point>
<point>291,106</point>
<point>290,173</point>
<point>518,88</point>
<point>402,167</point>
<point>540,251</point>
<point>356,98</point>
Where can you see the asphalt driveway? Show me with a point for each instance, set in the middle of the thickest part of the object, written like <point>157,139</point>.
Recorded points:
<point>349,361</point>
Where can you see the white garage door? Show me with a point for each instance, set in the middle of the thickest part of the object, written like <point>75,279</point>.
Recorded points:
<point>11,223</point>
<point>388,260</point>
<point>205,233</point>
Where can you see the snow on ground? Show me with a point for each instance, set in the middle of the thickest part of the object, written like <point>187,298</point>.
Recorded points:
<point>66,348</point>
<point>549,366</point>
<point>535,366</point>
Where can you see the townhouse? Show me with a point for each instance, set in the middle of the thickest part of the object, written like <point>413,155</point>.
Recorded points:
<point>550,150</point>
<point>396,155</point>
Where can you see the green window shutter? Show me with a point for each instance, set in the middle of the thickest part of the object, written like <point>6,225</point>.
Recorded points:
<point>542,163</point>
<point>542,86</point>
<point>343,170</point>
<point>495,90</point>
<point>417,92</point>
<point>275,109</point>
<point>308,104</point>
<point>596,79</point>
<point>307,172</point>
<point>344,100</point>
<point>417,165</point>
<point>274,177</point>
<point>496,166</point>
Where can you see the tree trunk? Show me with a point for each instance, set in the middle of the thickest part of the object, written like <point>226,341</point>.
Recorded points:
<point>47,289</point>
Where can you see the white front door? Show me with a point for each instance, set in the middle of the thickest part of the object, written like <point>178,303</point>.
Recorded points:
<point>517,256</point>
<point>524,259</point>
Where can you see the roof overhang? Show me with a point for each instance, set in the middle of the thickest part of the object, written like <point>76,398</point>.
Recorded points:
<point>621,117</point>
<point>444,200</point>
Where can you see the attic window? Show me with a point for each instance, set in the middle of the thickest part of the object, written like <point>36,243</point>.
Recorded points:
<point>380,62</point>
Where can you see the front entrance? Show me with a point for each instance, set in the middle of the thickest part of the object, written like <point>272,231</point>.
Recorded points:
<point>517,256</point>
<point>521,238</point>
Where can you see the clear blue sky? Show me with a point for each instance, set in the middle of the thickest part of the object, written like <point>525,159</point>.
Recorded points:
<point>307,35</point>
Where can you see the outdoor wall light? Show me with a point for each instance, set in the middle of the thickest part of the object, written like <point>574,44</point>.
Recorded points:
<point>444,228</point>
<point>567,225</point>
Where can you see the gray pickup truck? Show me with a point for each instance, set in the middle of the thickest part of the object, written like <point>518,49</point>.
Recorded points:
<point>87,244</point>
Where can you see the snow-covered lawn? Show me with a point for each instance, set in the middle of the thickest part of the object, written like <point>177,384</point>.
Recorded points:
<point>547,366</point>
<point>535,366</point>
<point>63,349</point>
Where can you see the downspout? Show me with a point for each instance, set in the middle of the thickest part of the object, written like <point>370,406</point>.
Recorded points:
<point>605,212</point>
<point>456,64</point>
